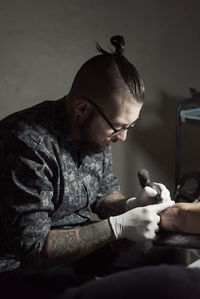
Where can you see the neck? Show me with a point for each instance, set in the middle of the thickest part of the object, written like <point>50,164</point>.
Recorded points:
<point>71,120</point>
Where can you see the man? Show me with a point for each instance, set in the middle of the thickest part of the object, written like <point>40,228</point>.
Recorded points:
<point>56,166</point>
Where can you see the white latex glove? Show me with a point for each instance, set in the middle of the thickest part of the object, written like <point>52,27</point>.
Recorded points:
<point>140,224</point>
<point>147,197</point>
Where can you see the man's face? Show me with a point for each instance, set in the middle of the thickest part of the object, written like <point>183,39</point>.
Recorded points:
<point>95,131</point>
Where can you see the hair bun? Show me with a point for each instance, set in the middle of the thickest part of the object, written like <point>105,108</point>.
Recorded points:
<point>119,43</point>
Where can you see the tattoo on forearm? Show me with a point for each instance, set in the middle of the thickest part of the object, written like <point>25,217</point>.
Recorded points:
<point>112,205</point>
<point>66,246</point>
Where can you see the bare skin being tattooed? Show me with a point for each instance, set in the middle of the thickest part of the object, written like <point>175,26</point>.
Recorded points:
<point>182,217</point>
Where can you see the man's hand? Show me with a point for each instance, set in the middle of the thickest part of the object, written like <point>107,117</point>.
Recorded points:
<point>139,224</point>
<point>147,197</point>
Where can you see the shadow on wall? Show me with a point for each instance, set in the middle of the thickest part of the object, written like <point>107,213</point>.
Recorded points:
<point>155,138</point>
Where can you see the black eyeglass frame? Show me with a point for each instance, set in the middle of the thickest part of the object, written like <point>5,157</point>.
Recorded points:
<point>116,131</point>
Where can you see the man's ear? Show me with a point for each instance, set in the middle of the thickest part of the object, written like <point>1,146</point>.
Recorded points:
<point>82,108</point>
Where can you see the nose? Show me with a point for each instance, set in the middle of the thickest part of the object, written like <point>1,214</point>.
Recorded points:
<point>121,136</point>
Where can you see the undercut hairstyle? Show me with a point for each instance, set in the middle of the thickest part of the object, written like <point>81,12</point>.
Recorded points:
<point>127,70</point>
<point>107,77</point>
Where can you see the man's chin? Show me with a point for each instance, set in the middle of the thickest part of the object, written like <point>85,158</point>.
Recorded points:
<point>94,148</point>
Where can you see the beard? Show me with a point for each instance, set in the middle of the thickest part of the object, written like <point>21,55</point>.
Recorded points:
<point>88,144</point>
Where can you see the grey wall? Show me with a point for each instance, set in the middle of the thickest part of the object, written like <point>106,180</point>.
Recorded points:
<point>44,42</point>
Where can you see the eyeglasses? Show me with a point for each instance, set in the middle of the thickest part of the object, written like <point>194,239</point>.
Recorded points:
<point>116,131</point>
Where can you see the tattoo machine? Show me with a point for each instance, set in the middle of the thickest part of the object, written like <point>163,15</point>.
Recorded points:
<point>144,179</point>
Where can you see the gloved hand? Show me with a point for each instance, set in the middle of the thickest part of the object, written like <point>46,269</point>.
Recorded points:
<point>147,197</point>
<point>139,224</point>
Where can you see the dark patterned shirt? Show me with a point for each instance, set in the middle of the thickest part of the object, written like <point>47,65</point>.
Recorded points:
<point>41,186</point>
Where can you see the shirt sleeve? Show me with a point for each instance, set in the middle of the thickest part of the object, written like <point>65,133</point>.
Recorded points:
<point>27,199</point>
<point>109,184</point>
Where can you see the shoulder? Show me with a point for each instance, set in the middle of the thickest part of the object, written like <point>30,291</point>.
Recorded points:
<point>33,125</point>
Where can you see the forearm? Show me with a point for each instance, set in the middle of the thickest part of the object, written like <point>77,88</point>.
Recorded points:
<point>65,246</point>
<point>112,205</point>
<point>182,217</point>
